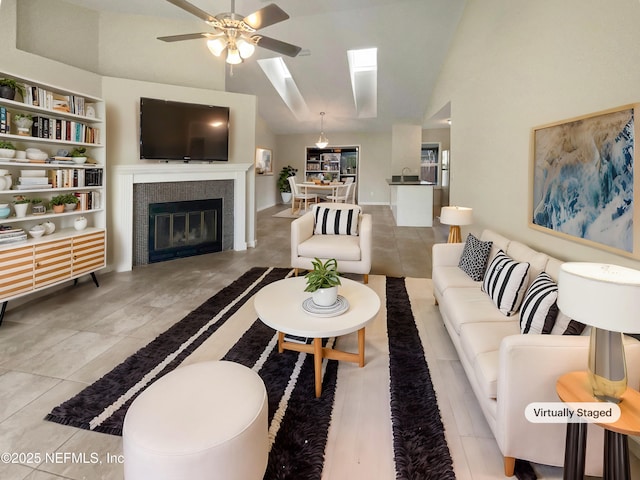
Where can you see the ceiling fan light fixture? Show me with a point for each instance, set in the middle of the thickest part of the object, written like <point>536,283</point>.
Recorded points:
<point>217,45</point>
<point>245,48</point>
<point>323,141</point>
<point>233,56</point>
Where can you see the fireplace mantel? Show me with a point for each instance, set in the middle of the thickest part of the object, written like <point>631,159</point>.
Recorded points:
<point>125,176</point>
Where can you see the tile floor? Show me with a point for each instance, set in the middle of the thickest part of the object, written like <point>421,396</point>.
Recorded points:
<point>52,347</point>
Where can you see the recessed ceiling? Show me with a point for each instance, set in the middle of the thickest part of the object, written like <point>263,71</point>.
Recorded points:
<point>412,38</point>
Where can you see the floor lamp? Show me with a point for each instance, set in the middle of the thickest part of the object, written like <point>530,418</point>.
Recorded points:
<point>607,297</point>
<point>454,217</point>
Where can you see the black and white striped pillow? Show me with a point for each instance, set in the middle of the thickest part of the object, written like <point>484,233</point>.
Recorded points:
<point>539,309</point>
<point>567,326</point>
<point>335,221</point>
<point>505,281</point>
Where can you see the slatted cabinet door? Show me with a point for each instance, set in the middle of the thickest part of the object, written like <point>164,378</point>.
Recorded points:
<point>16,271</point>
<point>88,253</point>
<point>52,262</point>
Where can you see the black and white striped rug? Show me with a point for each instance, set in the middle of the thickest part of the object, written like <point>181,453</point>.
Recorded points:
<point>401,418</point>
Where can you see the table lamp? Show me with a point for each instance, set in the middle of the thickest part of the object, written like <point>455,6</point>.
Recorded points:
<point>607,297</point>
<point>455,216</point>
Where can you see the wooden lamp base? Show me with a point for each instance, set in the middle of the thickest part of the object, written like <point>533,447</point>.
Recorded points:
<point>454,234</point>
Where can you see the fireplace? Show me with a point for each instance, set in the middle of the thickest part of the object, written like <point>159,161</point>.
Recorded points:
<point>184,229</point>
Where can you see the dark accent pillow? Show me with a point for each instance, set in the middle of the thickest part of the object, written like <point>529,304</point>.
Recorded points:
<point>539,309</point>
<point>474,257</point>
<point>505,281</point>
<point>335,221</point>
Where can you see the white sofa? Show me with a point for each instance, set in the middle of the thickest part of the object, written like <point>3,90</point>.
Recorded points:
<point>353,252</point>
<point>508,370</point>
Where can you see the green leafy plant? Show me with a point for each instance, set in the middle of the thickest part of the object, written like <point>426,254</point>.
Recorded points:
<point>285,173</point>
<point>78,152</point>
<point>7,145</point>
<point>20,199</point>
<point>64,199</point>
<point>11,83</point>
<point>36,201</point>
<point>18,116</point>
<point>323,275</point>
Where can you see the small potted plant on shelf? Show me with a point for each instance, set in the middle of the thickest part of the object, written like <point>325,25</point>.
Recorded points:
<point>78,155</point>
<point>38,207</point>
<point>64,202</point>
<point>21,205</point>
<point>9,87</point>
<point>23,121</point>
<point>323,282</point>
<point>283,182</point>
<point>7,150</point>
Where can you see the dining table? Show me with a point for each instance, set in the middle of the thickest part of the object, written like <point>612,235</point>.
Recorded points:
<point>329,188</point>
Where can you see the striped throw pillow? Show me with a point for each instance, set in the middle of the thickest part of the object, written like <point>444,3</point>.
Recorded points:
<point>505,281</point>
<point>335,221</point>
<point>539,309</point>
<point>567,326</point>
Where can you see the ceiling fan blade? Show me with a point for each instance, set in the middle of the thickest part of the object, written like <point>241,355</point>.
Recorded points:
<point>265,16</point>
<point>278,46</point>
<point>186,36</point>
<point>192,9</point>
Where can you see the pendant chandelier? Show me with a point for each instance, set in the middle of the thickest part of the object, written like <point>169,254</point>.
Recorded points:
<point>323,141</point>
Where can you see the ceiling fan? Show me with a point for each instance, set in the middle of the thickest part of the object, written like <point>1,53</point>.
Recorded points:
<point>236,34</point>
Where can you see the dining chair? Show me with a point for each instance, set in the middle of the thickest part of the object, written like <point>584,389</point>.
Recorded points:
<point>300,197</point>
<point>342,193</point>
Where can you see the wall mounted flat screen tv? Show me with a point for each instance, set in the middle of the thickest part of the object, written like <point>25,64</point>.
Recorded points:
<point>183,131</point>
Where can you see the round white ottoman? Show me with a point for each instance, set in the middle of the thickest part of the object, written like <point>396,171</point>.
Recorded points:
<point>202,421</point>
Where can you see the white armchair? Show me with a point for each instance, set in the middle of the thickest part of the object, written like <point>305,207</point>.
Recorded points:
<point>353,252</point>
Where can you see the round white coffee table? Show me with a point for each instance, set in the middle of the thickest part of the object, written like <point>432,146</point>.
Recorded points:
<point>279,305</point>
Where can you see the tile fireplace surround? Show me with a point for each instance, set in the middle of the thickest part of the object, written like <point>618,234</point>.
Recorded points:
<point>126,176</point>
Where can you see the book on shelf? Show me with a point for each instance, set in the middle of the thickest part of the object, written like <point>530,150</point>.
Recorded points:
<point>33,186</point>
<point>20,239</point>
<point>33,180</point>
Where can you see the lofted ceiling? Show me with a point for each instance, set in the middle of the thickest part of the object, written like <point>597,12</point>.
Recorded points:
<point>412,38</point>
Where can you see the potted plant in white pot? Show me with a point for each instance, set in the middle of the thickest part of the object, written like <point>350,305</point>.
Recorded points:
<point>323,282</point>
<point>7,149</point>
<point>21,205</point>
<point>283,182</point>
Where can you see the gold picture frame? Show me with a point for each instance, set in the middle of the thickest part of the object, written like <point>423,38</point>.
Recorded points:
<point>582,180</point>
<point>264,161</point>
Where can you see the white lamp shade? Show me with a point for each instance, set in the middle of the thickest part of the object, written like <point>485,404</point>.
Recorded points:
<point>233,56</point>
<point>245,48</point>
<point>603,296</point>
<point>456,215</point>
<point>217,45</point>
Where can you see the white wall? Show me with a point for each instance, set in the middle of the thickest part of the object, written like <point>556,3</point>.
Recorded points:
<point>405,148</point>
<point>517,64</point>
<point>267,194</point>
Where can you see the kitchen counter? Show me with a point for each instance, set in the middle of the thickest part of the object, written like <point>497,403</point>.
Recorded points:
<point>411,201</point>
<point>408,180</point>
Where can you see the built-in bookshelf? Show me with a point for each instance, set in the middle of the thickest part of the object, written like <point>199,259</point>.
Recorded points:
<point>332,163</point>
<point>59,121</point>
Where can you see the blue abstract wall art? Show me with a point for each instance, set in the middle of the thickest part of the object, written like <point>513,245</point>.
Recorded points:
<point>583,178</point>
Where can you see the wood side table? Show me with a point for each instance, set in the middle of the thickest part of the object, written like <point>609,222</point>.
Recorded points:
<point>575,387</point>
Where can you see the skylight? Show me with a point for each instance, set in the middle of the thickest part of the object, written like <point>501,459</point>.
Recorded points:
<point>278,74</point>
<point>363,67</point>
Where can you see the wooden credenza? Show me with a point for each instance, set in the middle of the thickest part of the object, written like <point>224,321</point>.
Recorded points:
<point>50,260</point>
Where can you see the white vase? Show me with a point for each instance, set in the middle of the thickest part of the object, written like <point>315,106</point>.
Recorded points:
<point>325,297</point>
<point>21,209</point>
<point>80,223</point>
